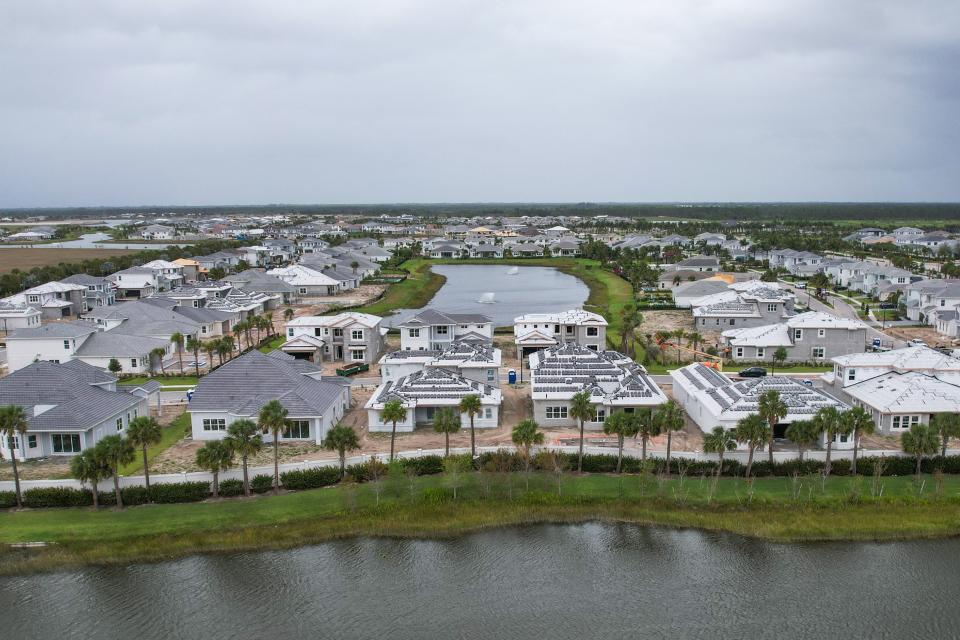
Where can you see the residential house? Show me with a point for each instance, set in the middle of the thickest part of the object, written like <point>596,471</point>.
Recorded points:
<point>477,361</point>
<point>191,269</point>
<point>158,232</point>
<point>307,282</point>
<point>348,336</point>
<point>746,304</point>
<point>535,331</point>
<point>697,263</point>
<point>133,283</point>
<point>259,281</point>
<point>54,300</point>
<point>811,336</point>
<point>906,235</point>
<point>17,314</point>
<point>98,291</point>
<point>53,342</point>
<point>710,239</point>
<point>435,330</point>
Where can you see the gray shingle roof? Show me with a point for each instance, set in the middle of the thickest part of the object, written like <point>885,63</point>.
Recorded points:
<point>112,344</point>
<point>55,330</point>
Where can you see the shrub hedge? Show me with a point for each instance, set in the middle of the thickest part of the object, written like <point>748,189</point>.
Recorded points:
<point>261,483</point>
<point>310,478</point>
<point>231,488</point>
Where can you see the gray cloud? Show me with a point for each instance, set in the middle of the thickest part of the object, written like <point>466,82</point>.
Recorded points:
<point>413,100</point>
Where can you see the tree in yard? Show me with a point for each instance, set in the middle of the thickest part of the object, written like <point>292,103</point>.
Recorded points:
<point>772,409</point>
<point>341,438</point>
<point>719,441</point>
<point>696,339</point>
<point>273,420</point>
<point>156,355</point>
<point>115,451</point>
<point>194,346</point>
<point>178,339</point>
<point>393,412</point>
<point>217,273</point>
<point>669,418</point>
<point>353,265</point>
<point>829,422</point>
<point>446,421</point>
<point>804,434</point>
<point>470,405</point>
<point>210,347</point>
<point>947,425</point>
<point>679,335</point>
<point>754,432</point>
<point>646,428</point>
<point>242,330</point>
<point>224,347</point>
<point>631,320</point>
<point>920,441</point>
<point>857,422</point>
<point>142,432</point>
<point>526,434</point>
<point>779,357</point>
<point>215,456</point>
<point>288,314</point>
<point>581,409</point>
<point>623,425</point>
<point>114,366</point>
<point>88,467</point>
<point>243,437</point>
<point>13,429</point>
<point>453,468</point>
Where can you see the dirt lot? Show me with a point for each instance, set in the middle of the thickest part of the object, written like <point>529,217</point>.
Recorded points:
<point>26,258</point>
<point>927,334</point>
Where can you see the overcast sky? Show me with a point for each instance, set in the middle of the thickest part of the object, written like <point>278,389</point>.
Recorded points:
<point>189,102</point>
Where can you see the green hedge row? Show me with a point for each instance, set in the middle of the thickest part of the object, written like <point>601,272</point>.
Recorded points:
<point>310,478</point>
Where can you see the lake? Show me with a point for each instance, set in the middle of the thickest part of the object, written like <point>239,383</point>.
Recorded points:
<point>532,290</point>
<point>551,581</point>
<point>96,241</point>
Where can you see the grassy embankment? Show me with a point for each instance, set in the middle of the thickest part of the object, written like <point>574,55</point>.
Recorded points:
<point>414,292</point>
<point>780,509</point>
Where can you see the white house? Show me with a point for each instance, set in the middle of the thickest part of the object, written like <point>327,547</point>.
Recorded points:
<point>535,331</point>
<point>434,330</point>
<point>477,361</point>
<point>307,282</point>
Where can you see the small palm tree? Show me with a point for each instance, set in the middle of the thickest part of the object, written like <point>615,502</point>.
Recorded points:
<point>115,451</point>
<point>243,436</point>
<point>142,432</point>
<point>210,348</point>
<point>446,421</point>
<point>623,425</point>
<point>947,425</point>
<point>393,412</point>
<point>239,329</point>
<point>828,421</point>
<point>470,405</point>
<point>753,432</point>
<point>719,441</point>
<point>772,409</point>
<point>13,428</point>
<point>669,418</point>
<point>178,340</point>
<point>920,441</point>
<point>857,422</point>
<point>157,354</point>
<point>779,357</point>
<point>88,467</point>
<point>526,434</point>
<point>804,434</point>
<point>582,410</point>
<point>194,346</point>
<point>288,314</point>
<point>215,456</point>
<point>341,438</point>
<point>646,428</point>
<point>273,420</point>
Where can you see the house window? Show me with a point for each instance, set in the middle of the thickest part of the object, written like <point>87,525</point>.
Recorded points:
<point>490,375</point>
<point>905,422</point>
<point>593,332</point>
<point>356,334</point>
<point>821,333</point>
<point>66,344</point>
<point>214,424</point>
<point>297,429</point>
<point>464,326</point>
<point>33,298</point>
<point>851,375</point>
<point>356,355</point>
<point>414,333</point>
<point>818,353</point>
<point>119,424</point>
<point>739,352</point>
<point>441,330</point>
<point>772,307</point>
<point>338,333</point>
<point>732,322</point>
<point>488,413</point>
<point>593,347</point>
<point>303,290</point>
<point>761,352</point>
<point>32,441</point>
<point>600,415</point>
<point>13,443</point>
<point>66,442</point>
<point>798,334</point>
<point>133,363</point>
<point>556,413</point>
<point>556,328</point>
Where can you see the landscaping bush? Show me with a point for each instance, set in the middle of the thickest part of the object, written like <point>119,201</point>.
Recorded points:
<point>231,488</point>
<point>261,483</point>
<point>177,492</point>
<point>42,497</point>
<point>8,499</point>
<point>425,466</point>
<point>361,472</point>
<point>300,479</point>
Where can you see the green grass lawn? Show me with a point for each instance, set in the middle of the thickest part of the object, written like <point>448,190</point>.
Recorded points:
<point>169,381</point>
<point>170,435</point>
<point>272,345</point>
<point>414,292</point>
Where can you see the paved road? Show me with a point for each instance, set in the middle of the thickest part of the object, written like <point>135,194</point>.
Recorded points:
<point>844,309</point>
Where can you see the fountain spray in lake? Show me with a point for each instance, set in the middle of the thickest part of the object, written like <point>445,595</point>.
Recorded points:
<point>512,271</point>
<point>487,298</point>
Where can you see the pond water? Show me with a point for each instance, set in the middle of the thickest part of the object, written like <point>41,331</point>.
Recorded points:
<point>552,581</point>
<point>96,241</point>
<point>531,290</point>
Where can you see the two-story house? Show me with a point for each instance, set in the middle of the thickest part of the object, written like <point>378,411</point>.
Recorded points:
<point>806,337</point>
<point>435,330</point>
<point>98,291</point>
<point>535,331</point>
<point>348,336</point>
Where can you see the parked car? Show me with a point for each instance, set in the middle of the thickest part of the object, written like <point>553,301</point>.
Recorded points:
<point>917,342</point>
<point>753,372</point>
<point>800,285</point>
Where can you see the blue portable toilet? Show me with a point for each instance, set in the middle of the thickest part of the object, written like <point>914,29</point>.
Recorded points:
<point>512,376</point>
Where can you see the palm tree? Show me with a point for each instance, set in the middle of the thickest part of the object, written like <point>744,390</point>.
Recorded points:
<point>804,434</point>
<point>828,421</point>
<point>779,357</point>
<point>947,425</point>
<point>341,438</point>
<point>288,314</point>
<point>920,441</point>
<point>215,456</point>
<point>631,320</point>
<point>753,432</point>
<point>669,418</point>
<point>158,353</point>
<point>393,412</point>
<point>238,330</point>
<point>243,436</point>
<point>195,345</point>
<point>89,468</point>
<point>772,409</point>
<point>526,434</point>
<point>13,428</point>
<point>267,320</point>
<point>210,348</point>
<point>719,441</point>
<point>354,264</point>
<point>646,429</point>
<point>623,425</point>
<point>115,451</point>
<point>695,339</point>
<point>446,421</point>
<point>144,431</point>
<point>224,347</point>
<point>679,334</point>
<point>857,421</point>
<point>470,405</point>
<point>581,409</point>
<point>178,340</point>
<point>273,420</point>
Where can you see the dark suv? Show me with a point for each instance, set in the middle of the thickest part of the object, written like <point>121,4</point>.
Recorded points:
<point>753,372</point>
